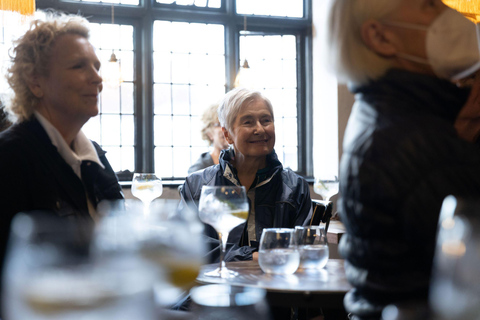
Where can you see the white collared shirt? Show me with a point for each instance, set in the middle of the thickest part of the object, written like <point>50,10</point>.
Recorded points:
<point>84,151</point>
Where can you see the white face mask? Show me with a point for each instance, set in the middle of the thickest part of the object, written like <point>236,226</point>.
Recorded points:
<point>452,45</point>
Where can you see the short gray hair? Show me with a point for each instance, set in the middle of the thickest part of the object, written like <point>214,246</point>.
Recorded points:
<point>345,50</point>
<point>233,102</point>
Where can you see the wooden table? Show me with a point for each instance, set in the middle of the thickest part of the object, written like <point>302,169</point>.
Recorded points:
<point>302,289</point>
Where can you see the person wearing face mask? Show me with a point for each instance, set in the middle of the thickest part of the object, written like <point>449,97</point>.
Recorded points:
<point>211,132</point>
<point>402,154</point>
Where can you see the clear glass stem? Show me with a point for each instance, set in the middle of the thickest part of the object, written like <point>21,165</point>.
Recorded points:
<point>146,208</point>
<point>223,237</point>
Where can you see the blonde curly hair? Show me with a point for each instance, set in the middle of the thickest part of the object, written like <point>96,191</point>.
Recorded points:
<point>209,119</point>
<point>30,57</point>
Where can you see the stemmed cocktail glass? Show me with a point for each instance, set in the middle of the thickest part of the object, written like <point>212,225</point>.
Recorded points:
<point>224,208</point>
<point>326,186</point>
<point>146,187</point>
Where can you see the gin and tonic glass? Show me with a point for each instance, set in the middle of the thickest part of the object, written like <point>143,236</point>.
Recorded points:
<point>326,186</point>
<point>224,208</point>
<point>146,187</point>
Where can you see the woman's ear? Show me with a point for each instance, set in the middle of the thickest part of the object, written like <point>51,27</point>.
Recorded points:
<point>34,86</point>
<point>226,134</point>
<point>377,38</point>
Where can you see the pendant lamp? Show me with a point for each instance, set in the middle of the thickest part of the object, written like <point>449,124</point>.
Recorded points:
<point>245,77</point>
<point>112,72</point>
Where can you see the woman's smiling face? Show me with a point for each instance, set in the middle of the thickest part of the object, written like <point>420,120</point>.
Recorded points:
<point>253,132</point>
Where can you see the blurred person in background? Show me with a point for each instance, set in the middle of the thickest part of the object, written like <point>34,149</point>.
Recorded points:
<point>211,132</point>
<point>402,154</point>
<point>46,162</point>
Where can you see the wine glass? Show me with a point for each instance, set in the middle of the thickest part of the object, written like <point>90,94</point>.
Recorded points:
<point>146,187</point>
<point>326,186</point>
<point>224,208</point>
<point>454,288</point>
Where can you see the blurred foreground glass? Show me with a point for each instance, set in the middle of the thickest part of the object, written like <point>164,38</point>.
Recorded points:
<point>278,254</point>
<point>51,272</point>
<point>224,208</point>
<point>219,302</point>
<point>455,285</point>
<point>312,244</point>
<point>169,239</point>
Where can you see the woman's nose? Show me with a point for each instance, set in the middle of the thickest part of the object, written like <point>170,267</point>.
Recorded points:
<point>259,128</point>
<point>95,76</point>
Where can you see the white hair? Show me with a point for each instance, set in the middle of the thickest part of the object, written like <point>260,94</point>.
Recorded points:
<point>345,51</point>
<point>234,100</point>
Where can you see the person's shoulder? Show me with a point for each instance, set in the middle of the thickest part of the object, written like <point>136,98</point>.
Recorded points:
<point>293,179</point>
<point>204,175</point>
<point>204,161</point>
<point>13,137</point>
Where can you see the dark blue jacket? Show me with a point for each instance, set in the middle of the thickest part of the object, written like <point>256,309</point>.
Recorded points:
<point>282,200</point>
<point>401,158</point>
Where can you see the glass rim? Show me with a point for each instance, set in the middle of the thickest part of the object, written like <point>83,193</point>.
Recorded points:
<point>309,227</point>
<point>219,187</point>
<point>279,230</point>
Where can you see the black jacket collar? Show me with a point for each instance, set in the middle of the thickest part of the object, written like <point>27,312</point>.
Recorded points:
<point>420,92</point>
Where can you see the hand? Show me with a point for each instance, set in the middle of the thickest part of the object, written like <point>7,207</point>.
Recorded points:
<point>467,123</point>
<point>255,256</point>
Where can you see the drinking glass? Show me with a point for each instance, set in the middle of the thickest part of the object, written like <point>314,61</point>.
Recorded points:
<point>326,186</point>
<point>312,244</point>
<point>219,302</point>
<point>277,253</point>
<point>146,187</point>
<point>51,272</point>
<point>455,285</point>
<point>224,208</point>
<point>169,239</point>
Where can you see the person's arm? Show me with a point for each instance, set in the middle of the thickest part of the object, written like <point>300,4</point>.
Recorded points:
<point>467,123</point>
<point>305,210</point>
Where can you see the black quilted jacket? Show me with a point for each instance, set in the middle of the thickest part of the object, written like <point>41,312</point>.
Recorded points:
<point>280,202</point>
<point>401,158</point>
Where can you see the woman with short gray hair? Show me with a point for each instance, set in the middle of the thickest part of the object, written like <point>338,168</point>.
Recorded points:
<point>278,196</point>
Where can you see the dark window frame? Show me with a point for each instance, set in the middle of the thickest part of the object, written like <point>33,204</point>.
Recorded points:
<point>142,18</point>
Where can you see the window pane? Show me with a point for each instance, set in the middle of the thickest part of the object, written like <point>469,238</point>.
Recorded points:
<point>12,26</point>
<point>114,128</point>
<point>196,3</point>
<point>280,8</point>
<point>189,76</point>
<point>272,60</point>
<point>163,161</point>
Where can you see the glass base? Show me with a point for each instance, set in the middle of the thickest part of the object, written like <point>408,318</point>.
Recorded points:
<point>223,273</point>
